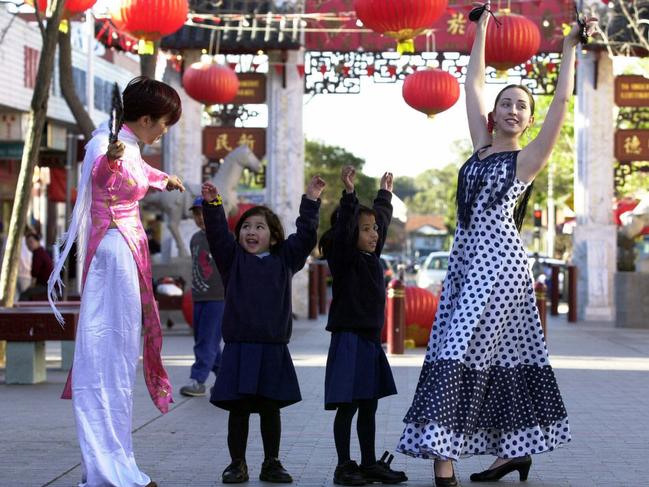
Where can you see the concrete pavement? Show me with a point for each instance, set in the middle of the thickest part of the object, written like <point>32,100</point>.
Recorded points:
<point>603,373</point>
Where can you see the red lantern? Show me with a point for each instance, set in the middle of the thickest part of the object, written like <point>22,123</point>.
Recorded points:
<point>71,7</point>
<point>510,44</point>
<point>150,19</point>
<point>400,19</point>
<point>210,83</point>
<point>421,306</point>
<point>431,91</point>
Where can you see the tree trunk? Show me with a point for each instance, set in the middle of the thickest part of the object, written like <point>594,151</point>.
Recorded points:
<point>79,112</point>
<point>37,115</point>
<point>148,62</point>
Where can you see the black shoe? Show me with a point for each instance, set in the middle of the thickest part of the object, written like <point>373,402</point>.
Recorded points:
<point>348,473</point>
<point>381,471</point>
<point>272,471</point>
<point>522,464</point>
<point>447,481</point>
<point>235,473</point>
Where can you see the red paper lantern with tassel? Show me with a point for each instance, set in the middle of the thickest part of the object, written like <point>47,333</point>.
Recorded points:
<point>431,91</point>
<point>150,20</point>
<point>510,44</point>
<point>210,83</point>
<point>400,19</point>
<point>71,7</point>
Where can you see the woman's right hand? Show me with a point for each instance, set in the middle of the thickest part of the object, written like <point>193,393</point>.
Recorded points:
<point>115,150</point>
<point>209,192</point>
<point>347,176</point>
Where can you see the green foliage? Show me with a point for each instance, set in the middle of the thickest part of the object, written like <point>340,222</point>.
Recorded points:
<point>327,161</point>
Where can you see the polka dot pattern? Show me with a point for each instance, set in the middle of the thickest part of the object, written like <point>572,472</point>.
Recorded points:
<point>486,386</point>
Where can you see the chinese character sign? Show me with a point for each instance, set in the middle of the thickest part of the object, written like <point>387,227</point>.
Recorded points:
<point>219,141</point>
<point>632,145</point>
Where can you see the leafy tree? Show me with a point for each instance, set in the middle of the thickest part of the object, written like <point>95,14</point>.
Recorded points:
<point>36,121</point>
<point>327,161</point>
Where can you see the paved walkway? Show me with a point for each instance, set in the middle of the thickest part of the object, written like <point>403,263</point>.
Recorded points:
<point>603,373</point>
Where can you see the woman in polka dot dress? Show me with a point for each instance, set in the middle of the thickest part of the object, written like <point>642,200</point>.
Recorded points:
<point>486,386</point>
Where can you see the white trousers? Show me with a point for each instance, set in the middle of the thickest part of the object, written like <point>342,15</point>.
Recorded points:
<point>105,359</point>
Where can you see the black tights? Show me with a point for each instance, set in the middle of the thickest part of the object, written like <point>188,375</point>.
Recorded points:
<point>271,430</point>
<point>365,427</point>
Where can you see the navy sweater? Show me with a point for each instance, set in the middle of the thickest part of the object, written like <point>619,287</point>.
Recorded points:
<point>358,303</point>
<point>258,290</point>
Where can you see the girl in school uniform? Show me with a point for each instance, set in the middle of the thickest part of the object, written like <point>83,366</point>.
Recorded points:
<point>358,373</point>
<point>256,374</point>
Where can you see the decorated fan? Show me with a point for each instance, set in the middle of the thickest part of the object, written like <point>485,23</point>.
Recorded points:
<point>116,115</point>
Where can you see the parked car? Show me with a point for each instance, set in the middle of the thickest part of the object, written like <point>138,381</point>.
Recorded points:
<point>432,272</point>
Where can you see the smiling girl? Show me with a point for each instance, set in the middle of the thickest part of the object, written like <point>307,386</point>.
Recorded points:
<point>256,374</point>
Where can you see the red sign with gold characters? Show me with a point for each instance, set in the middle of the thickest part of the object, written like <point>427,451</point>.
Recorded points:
<point>631,90</point>
<point>632,145</point>
<point>218,142</point>
<point>450,30</point>
<point>252,89</point>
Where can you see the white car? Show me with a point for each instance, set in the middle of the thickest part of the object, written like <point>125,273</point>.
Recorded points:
<point>432,272</point>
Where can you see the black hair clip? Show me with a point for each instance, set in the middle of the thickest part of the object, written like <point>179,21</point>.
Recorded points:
<point>583,29</point>
<point>476,13</point>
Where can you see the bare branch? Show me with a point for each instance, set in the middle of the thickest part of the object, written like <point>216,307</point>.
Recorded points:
<point>633,23</point>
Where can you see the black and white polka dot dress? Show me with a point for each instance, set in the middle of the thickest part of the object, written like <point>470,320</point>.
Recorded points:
<point>486,386</point>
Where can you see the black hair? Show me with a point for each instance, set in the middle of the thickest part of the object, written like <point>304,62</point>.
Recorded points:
<point>144,96</point>
<point>326,240</point>
<point>273,221</point>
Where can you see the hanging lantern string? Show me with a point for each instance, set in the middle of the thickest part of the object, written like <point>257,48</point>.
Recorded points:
<point>209,49</point>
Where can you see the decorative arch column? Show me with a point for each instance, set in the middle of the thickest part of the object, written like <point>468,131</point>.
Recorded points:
<point>285,151</point>
<point>595,237</point>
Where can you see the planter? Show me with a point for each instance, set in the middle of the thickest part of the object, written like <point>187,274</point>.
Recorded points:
<point>632,300</point>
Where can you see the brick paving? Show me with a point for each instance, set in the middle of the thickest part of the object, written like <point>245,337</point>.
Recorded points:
<point>603,373</point>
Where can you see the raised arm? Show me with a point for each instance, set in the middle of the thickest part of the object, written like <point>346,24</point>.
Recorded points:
<point>474,86</point>
<point>299,245</point>
<point>383,209</point>
<point>536,154</point>
<point>221,241</point>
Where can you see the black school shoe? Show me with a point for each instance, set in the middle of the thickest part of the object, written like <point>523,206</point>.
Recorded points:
<point>272,471</point>
<point>381,471</point>
<point>348,473</point>
<point>235,473</point>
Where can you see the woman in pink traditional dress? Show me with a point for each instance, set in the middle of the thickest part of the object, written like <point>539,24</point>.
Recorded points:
<point>117,298</point>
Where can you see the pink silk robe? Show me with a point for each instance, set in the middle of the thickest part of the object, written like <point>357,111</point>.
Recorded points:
<point>116,191</point>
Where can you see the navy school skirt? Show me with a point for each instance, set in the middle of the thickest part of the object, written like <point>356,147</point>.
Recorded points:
<point>253,376</point>
<point>357,369</point>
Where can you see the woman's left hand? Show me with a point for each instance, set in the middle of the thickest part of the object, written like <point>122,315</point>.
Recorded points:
<point>573,37</point>
<point>174,182</point>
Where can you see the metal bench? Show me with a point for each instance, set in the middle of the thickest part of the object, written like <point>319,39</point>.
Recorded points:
<point>26,328</point>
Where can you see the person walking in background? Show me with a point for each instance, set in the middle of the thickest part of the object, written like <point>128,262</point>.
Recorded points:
<point>207,296</point>
<point>486,386</point>
<point>117,299</point>
<point>257,374</point>
<point>358,373</point>
<point>41,269</point>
